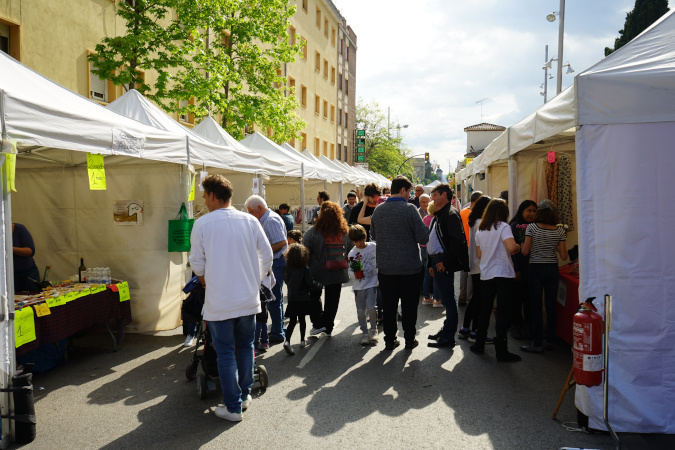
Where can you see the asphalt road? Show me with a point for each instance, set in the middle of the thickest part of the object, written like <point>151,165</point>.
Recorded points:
<point>333,394</point>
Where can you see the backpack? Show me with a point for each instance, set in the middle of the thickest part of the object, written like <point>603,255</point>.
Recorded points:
<point>336,258</point>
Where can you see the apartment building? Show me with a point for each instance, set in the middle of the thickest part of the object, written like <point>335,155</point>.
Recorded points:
<point>324,77</point>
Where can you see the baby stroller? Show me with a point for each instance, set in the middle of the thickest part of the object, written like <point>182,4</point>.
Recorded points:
<point>204,352</point>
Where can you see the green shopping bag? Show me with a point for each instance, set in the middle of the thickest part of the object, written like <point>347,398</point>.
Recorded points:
<point>179,231</point>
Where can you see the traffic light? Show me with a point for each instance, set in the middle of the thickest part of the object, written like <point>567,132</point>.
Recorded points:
<point>426,157</point>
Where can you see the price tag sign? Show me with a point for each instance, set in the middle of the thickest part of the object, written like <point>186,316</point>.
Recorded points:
<point>82,293</point>
<point>551,157</point>
<point>24,326</point>
<point>41,309</point>
<point>97,289</point>
<point>124,291</point>
<point>70,296</point>
<point>56,301</point>
<point>96,172</point>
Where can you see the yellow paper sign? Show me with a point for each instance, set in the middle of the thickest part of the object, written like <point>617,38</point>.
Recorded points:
<point>191,197</point>
<point>9,165</point>
<point>97,289</point>
<point>96,172</point>
<point>70,296</point>
<point>41,309</point>
<point>82,293</point>
<point>56,301</point>
<point>124,291</point>
<point>24,326</point>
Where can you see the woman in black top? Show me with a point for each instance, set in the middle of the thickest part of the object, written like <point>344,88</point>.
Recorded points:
<point>521,317</point>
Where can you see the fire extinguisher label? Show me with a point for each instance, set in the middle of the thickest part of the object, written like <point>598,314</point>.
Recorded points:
<point>592,363</point>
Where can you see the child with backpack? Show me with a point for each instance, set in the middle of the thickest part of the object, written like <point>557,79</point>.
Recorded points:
<point>301,290</point>
<point>362,259</point>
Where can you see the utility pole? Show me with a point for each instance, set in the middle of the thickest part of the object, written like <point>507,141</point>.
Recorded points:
<point>546,76</point>
<point>561,33</point>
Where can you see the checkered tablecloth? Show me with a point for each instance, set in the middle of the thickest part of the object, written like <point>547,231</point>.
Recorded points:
<point>74,316</point>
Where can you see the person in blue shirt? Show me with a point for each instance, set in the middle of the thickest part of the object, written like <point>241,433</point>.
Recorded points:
<point>23,249</point>
<point>284,209</point>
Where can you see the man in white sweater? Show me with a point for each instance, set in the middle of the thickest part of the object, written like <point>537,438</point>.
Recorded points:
<point>230,255</point>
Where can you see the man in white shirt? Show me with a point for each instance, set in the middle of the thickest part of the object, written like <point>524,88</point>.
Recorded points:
<point>230,255</point>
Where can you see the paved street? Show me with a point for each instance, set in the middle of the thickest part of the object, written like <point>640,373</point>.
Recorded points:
<point>333,394</point>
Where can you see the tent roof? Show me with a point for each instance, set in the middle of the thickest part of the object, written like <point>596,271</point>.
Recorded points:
<point>635,84</point>
<point>358,179</point>
<point>202,151</point>
<point>41,114</point>
<point>347,175</point>
<point>334,174</point>
<point>287,163</point>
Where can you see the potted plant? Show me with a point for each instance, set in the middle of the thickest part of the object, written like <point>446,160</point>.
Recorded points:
<point>356,265</point>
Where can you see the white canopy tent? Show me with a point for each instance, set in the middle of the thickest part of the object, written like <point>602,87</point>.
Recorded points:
<point>335,187</point>
<point>626,115</point>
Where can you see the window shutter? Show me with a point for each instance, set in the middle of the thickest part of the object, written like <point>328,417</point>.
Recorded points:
<point>98,88</point>
<point>4,30</point>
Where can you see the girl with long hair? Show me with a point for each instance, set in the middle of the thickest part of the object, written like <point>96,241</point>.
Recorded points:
<point>521,317</point>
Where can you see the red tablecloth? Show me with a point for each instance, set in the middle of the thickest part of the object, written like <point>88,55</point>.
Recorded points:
<point>567,302</point>
<point>66,320</point>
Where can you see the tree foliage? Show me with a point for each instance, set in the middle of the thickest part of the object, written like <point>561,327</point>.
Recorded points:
<point>645,13</point>
<point>211,57</point>
<point>385,152</point>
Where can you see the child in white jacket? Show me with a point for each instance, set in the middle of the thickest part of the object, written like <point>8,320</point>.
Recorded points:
<point>365,284</point>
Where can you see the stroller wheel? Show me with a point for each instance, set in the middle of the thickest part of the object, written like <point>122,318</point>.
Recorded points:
<point>202,390</point>
<point>262,376</point>
<point>191,371</point>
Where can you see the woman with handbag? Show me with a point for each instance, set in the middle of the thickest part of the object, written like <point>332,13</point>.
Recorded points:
<point>328,244</point>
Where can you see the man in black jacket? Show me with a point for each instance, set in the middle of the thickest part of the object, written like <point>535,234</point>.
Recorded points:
<point>448,255</point>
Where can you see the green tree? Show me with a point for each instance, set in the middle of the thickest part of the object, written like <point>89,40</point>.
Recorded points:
<point>238,48</point>
<point>645,13</point>
<point>151,42</point>
<point>385,154</point>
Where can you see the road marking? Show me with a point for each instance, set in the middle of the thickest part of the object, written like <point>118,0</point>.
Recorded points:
<point>315,348</point>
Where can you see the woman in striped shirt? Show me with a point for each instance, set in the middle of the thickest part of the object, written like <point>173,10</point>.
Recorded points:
<point>542,239</point>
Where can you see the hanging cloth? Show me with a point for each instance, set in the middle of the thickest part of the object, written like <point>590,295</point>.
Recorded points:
<point>552,182</point>
<point>565,191</point>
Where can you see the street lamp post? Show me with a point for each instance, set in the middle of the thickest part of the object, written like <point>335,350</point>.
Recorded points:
<point>561,34</point>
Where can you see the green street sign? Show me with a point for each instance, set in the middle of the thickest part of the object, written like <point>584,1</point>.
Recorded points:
<point>360,158</point>
<point>360,132</point>
<point>360,149</point>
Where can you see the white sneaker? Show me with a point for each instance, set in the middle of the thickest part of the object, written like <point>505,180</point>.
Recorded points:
<point>365,340</point>
<point>304,344</point>
<point>288,348</point>
<point>223,413</point>
<point>373,336</point>
<point>317,331</point>
<point>189,341</point>
<point>246,403</point>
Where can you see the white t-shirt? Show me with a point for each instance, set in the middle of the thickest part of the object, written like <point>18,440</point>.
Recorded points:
<point>495,260</point>
<point>367,256</point>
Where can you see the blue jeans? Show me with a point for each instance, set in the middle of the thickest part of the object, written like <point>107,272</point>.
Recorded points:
<point>445,283</point>
<point>235,368</point>
<point>543,278</point>
<point>428,282</point>
<point>276,307</point>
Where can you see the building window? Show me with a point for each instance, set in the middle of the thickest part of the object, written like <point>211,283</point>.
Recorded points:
<point>304,5</point>
<point>325,109</point>
<point>318,62</point>
<point>303,144</point>
<point>332,113</point>
<point>325,68</point>
<point>332,36</point>
<point>100,90</point>
<point>186,117</point>
<point>332,75</point>
<point>340,81</point>
<point>340,116</point>
<point>346,87</point>
<point>332,151</point>
<point>317,147</point>
<point>339,153</point>
<point>10,39</point>
<point>291,34</point>
<point>318,18</point>
<point>291,84</point>
<point>317,105</point>
<point>249,129</point>
<point>304,47</point>
<point>346,120</point>
<point>325,27</point>
<point>341,44</point>
<point>269,132</point>
<point>303,95</point>
<point>325,148</point>
<point>347,55</point>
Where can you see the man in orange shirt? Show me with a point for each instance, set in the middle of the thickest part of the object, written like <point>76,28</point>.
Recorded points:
<point>465,288</point>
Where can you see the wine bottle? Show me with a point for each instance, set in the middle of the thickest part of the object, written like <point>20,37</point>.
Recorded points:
<point>81,271</point>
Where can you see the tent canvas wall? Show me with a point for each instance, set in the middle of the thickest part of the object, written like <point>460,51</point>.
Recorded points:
<point>625,164</point>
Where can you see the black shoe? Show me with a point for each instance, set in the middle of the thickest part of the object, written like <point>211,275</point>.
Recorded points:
<point>477,349</point>
<point>411,344</point>
<point>517,333</point>
<point>389,346</point>
<point>442,343</point>
<point>275,340</point>
<point>508,357</point>
<point>437,336</point>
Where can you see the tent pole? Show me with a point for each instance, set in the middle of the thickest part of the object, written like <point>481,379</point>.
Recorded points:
<point>513,195</point>
<point>342,200</point>
<point>302,196</point>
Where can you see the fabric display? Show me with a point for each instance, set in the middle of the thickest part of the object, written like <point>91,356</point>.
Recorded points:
<point>552,182</point>
<point>565,211</point>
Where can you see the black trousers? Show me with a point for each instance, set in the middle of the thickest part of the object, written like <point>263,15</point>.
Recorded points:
<point>472,311</point>
<point>503,289</point>
<point>330,306</point>
<point>405,288</point>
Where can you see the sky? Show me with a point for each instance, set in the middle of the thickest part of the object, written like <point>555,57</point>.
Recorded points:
<point>431,61</point>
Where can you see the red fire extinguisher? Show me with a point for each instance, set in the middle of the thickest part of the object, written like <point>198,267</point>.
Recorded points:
<point>588,328</point>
